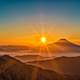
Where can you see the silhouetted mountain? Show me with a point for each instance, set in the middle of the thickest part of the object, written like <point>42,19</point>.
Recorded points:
<point>12,69</point>
<point>63,65</point>
<point>63,46</point>
<point>66,43</point>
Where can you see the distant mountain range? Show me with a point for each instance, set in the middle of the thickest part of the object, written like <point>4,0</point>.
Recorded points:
<point>13,69</point>
<point>15,48</point>
<point>61,46</point>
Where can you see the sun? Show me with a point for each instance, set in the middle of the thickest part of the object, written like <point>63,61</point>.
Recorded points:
<point>43,40</point>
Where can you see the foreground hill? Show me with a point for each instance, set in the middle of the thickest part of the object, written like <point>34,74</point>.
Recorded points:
<point>63,65</point>
<point>12,69</point>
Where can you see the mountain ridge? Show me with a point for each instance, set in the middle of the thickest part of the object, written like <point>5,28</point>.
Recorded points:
<point>13,69</point>
<point>63,65</point>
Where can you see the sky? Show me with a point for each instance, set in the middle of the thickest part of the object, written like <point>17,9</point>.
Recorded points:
<point>23,22</point>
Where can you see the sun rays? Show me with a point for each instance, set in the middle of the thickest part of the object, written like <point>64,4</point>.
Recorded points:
<point>43,50</point>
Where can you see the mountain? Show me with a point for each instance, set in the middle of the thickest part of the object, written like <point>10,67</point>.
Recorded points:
<point>13,69</point>
<point>63,65</point>
<point>26,58</point>
<point>64,46</point>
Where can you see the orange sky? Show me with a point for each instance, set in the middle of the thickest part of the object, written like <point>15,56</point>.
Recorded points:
<point>34,40</point>
<point>24,22</point>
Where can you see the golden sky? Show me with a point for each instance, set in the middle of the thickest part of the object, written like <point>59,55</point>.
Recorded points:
<point>25,22</point>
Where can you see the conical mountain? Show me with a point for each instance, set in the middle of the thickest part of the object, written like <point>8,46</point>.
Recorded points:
<point>64,45</point>
<point>65,42</point>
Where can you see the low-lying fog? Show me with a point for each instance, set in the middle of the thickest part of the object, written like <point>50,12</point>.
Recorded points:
<point>41,54</point>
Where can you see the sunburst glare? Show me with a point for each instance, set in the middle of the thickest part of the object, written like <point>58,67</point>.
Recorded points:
<point>43,40</point>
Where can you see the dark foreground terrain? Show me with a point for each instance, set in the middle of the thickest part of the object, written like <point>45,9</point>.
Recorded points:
<point>12,69</point>
<point>63,65</point>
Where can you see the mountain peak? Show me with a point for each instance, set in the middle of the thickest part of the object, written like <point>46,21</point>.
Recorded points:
<point>63,40</point>
<point>6,58</point>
